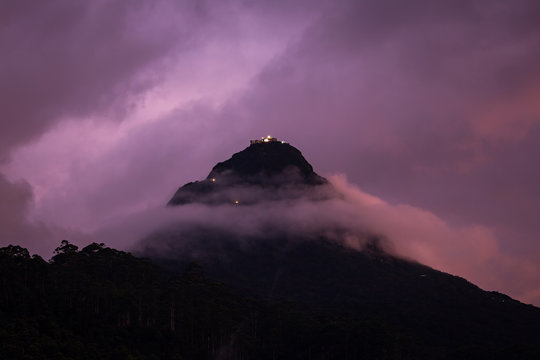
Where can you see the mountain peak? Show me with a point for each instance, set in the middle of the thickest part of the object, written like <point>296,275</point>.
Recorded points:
<point>272,168</point>
<point>263,160</point>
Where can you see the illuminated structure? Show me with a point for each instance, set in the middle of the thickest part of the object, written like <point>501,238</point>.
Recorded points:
<point>266,139</point>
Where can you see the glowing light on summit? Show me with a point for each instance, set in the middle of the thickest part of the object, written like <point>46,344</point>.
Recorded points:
<point>266,139</point>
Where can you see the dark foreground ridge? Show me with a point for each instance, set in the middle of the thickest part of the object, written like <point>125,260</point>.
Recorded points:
<point>273,167</point>
<point>101,303</point>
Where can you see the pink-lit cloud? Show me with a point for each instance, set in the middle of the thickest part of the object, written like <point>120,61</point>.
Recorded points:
<point>470,251</point>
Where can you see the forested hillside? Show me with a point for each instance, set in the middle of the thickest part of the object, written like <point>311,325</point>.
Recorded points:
<point>101,303</point>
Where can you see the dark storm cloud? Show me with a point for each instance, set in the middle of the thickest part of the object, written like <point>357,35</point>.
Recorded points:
<point>17,229</point>
<point>61,59</point>
<point>16,198</point>
<point>66,58</point>
<point>403,69</point>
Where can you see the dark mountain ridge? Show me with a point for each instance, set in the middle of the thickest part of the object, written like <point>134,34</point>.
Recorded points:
<point>446,316</point>
<point>274,168</point>
<point>437,309</point>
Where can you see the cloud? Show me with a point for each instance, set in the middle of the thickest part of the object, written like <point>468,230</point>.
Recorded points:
<point>404,79</point>
<point>64,60</point>
<point>354,219</point>
<point>17,229</point>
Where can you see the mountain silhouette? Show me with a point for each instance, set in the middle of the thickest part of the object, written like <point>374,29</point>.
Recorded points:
<point>445,316</point>
<point>274,167</point>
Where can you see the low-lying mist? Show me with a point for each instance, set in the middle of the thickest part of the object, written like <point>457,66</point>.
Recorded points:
<point>353,218</point>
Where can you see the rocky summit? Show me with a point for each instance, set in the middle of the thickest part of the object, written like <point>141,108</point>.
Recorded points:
<point>266,170</point>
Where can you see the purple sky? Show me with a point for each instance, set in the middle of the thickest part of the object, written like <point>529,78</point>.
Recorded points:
<point>430,109</point>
